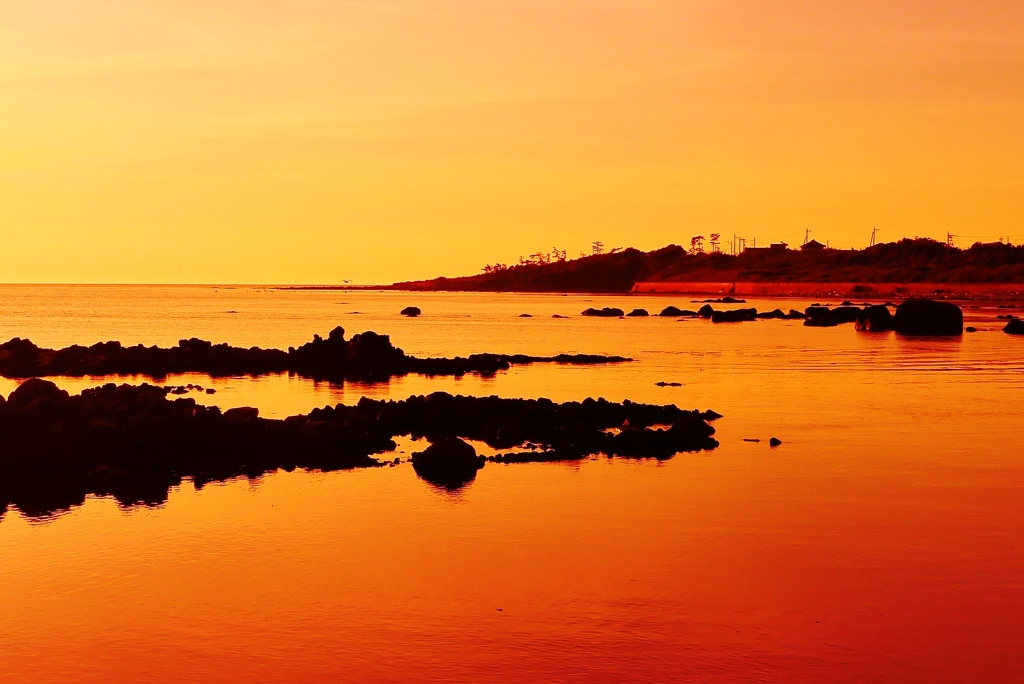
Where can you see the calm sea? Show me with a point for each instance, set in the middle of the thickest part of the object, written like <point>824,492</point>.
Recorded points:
<point>883,541</point>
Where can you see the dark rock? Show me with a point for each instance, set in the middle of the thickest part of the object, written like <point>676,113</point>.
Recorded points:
<point>796,315</point>
<point>34,391</point>
<point>875,319</point>
<point>774,442</point>
<point>1014,327</point>
<point>734,316</point>
<point>525,315</point>
<point>607,312</point>
<point>450,463</point>
<point>134,442</point>
<point>558,316</point>
<point>638,312</point>
<point>927,317</point>
<point>970,329</point>
<point>411,311</point>
<point>241,415</point>
<point>773,314</point>
<point>705,311</point>
<point>674,312</point>
<point>668,384</point>
<point>722,300</point>
<point>1006,317</point>
<point>366,357</point>
<point>829,318</point>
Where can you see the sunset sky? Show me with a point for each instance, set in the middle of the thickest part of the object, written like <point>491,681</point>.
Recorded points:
<point>312,141</point>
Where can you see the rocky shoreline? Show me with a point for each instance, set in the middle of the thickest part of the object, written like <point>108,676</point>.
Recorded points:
<point>134,442</point>
<point>367,356</point>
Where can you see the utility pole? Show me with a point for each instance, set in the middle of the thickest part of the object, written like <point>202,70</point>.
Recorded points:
<point>807,235</point>
<point>874,231</point>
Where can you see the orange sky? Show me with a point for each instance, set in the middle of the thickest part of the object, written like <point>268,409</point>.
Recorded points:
<point>321,140</point>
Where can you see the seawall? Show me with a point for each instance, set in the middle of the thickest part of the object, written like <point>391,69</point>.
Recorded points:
<point>795,289</point>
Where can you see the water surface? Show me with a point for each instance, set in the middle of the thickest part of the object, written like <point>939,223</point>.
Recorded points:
<point>882,542</point>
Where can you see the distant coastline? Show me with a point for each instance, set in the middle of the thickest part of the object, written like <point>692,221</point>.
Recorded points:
<point>905,268</point>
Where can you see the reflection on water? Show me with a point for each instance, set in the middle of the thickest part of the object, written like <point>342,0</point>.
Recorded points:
<point>881,542</point>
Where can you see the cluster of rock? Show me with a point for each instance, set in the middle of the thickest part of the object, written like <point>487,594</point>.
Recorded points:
<point>367,356</point>
<point>916,316</point>
<point>134,442</point>
<point>913,317</point>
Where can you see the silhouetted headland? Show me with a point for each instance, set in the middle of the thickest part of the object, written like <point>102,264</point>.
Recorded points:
<point>910,266</point>
<point>133,442</point>
<point>366,357</point>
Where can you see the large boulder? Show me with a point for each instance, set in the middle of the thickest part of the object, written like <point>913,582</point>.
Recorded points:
<point>450,463</point>
<point>920,316</point>
<point>411,311</point>
<point>638,312</point>
<point>1014,327</point>
<point>706,311</point>
<point>875,319</point>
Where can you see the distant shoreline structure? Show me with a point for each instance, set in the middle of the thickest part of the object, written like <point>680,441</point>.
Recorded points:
<point>815,289</point>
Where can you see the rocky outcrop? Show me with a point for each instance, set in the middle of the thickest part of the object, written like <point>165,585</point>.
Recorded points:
<point>675,312</point>
<point>606,312</point>
<point>927,317</point>
<point>366,357</point>
<point>134,442</point>
<point>734,316</point>
<point>1014,327</point>
<point>824,317</point>
<point>638,312</point>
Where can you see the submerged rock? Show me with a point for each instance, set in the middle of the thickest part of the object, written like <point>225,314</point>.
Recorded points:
<point>920,316</point>
<point>411,311</point>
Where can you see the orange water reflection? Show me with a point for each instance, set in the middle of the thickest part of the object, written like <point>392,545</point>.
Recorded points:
<point>882,542</point>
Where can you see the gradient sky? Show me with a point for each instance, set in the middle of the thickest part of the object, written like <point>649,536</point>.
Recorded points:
<point>312,141</point>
